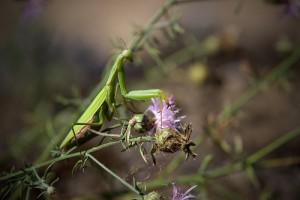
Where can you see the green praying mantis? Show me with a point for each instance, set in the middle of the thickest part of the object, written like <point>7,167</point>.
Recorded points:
<point>104,105</point>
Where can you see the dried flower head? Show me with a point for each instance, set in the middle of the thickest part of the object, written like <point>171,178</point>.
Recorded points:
<point>177,195</point>
<point>170,140</point>
<point>165,117</point>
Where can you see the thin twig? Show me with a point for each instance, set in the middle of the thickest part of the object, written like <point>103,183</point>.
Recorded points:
<point>72,155</point>
<point>227,169</point>
<point>113,174</point>
<point>243,99</point>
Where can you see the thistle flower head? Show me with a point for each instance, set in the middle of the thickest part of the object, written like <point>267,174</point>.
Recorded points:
<point>165,117</point>
<point>177,195</point>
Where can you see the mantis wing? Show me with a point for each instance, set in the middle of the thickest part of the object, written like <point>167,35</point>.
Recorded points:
<point>86,117</point>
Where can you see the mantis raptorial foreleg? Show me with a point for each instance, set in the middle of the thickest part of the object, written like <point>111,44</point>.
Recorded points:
<point>146,95</point>
<point>139,94</point>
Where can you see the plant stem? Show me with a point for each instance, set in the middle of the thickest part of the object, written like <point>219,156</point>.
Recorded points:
<point>194,50</point>
<point>227,169</point>
<point>72,155</point>
<point>177,161</point>
<point>113,174</point>
<point>278,162</point>
<point>136,42</point>
<point>243,99</point>
<point>272,146</point>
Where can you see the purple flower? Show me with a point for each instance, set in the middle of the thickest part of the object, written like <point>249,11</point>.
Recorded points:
<point>291,8</point>
<point>182,196</point>
<point>165,118</point>
<point>32,10</point>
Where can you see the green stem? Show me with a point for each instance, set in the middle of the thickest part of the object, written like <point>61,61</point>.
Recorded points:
<point>225,192</point>
<point>192,51</point>
<point>272,146</point>
<point>177,161</point>
<point>113,174</point>
<point>278,162</point>
<point>227,169</point>
<point>243,99</point>
<point>252,159</point>
<point>136,42</point>
<point>72,155</point>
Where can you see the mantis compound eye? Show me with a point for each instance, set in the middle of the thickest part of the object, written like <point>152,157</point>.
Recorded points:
<point>128,55</point>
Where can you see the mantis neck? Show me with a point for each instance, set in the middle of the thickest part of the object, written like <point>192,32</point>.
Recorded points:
<point>112,76</point>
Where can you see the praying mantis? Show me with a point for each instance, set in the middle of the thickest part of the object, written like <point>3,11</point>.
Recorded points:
<point>104,106</point>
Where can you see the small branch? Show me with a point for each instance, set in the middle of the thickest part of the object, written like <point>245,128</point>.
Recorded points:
<point>278,162</point>
<point>113,174</point>
<point>243,99</point>
<point>227,169</point>
<point>136,42</point>
<point>177,161</point>
<point>273,146</point>
<point>73,155</point>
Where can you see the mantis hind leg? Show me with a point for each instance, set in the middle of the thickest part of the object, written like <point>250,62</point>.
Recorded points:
<point>84,134</point>
<point>108,112</point>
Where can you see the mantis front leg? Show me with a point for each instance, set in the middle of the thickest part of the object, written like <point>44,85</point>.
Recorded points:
<point>147,94</point>
<point>140,94</point>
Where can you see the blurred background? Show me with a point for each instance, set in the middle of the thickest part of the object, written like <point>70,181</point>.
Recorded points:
<point>52,57</point>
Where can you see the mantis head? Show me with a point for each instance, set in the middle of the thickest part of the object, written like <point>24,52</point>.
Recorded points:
<point>128,55</point>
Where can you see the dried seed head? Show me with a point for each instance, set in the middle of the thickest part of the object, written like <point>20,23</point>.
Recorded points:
<point>171,140</point>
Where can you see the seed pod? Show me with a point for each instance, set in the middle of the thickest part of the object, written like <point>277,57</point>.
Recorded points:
<point>171,140</point>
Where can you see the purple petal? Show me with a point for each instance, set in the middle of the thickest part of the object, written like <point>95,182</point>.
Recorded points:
<point>179,196</point>
<point>175,190</point>
<point>189,190</point>
<point>165,117</point>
